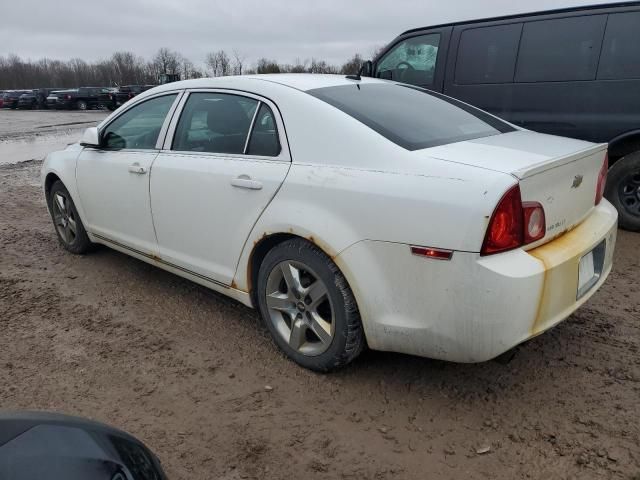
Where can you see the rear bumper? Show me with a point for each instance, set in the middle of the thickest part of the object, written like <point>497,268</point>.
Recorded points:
<point>472,308</point>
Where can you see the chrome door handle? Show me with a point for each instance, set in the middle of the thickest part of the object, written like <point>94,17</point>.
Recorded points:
<point>136,168</point>
<point>244,181</point>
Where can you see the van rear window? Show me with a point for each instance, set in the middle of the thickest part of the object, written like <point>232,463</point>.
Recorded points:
<point>411,117</point>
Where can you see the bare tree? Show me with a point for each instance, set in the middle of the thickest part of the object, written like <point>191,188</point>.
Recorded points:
<point>218,63</point>
<point>238,63</point>
<point>167,61</point>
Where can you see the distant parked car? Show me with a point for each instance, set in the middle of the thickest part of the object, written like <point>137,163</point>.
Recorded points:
<point>10,98</point>
<point>83,98</point>
<point>28,100</point>
<point>572,72</point>
<point>385,214</point>
<point>36,98</point>
<point>1,98</point>
<point>121,95</point>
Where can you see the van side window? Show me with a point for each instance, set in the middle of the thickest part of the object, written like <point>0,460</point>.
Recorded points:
<point>411,61</point>
<point>620,56</point>
<point>488,55</point>
<point>560,50</point>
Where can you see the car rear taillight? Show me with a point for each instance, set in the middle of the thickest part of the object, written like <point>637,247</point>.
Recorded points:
<point>513,223</point>
<point>505,230</point>
<point>602,179</point>
<point>67,97</point>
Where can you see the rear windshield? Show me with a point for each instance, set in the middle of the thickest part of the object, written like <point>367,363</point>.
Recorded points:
<point>411,117</point>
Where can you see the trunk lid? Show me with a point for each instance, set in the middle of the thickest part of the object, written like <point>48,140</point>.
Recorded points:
<point>559,173</point>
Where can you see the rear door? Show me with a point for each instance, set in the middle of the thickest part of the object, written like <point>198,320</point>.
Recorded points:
<point>417,59</point>
<point>224,160</point>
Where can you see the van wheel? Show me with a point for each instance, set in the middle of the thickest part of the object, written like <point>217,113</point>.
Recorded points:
<point>308,307</point>
<point>81,105</point>
<point>623,190</point>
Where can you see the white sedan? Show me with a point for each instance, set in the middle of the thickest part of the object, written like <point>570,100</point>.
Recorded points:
<point>348,212</point>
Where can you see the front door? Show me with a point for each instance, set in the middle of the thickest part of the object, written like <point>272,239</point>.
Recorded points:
<point>211,184</point>
<point>113,180</point>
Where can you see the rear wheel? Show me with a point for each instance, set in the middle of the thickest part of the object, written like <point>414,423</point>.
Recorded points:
<point>69,227</point>
<point>308,307</point>
<point>81,105</point>
<point>623,190</point>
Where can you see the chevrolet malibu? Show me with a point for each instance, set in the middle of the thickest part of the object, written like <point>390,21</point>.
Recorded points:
<point>348,211</point>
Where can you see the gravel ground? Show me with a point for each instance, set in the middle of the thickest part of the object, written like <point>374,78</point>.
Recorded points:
<point>195,376</point>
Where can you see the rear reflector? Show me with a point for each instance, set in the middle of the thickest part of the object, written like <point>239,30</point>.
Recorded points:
<point>534,222</point>
<point>602,179</point>
<point>435,253</point>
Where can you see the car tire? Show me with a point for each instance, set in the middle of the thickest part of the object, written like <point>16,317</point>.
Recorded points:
<point>623,190</point>
<point>81,105</point>
<point>308,306</point>
<point>65,219</point>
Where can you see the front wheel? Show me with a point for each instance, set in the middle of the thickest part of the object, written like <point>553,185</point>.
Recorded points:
<point>308,307</point>
<point>69,228</point>
<point>623,190</point>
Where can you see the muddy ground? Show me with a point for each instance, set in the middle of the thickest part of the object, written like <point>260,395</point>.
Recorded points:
<point>196,377</point>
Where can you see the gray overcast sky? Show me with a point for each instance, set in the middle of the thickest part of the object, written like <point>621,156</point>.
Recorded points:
<point>284,30</point>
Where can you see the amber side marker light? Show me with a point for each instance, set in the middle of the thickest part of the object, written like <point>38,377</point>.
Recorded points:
<point>435,253</point>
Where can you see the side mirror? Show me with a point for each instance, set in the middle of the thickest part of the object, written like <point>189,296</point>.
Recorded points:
<point>90,138</point>
<point>46,445</point>
<point>366,70</point>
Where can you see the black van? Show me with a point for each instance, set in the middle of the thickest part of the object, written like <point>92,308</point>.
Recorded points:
<point>572,72</point>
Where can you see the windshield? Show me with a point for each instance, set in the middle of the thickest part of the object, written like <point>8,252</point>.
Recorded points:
<point>411,117</point>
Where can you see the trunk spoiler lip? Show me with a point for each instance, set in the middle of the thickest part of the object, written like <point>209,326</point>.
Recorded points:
<point>555,162</point>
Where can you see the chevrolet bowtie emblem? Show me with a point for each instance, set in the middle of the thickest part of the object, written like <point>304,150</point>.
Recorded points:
<point>577,181</point>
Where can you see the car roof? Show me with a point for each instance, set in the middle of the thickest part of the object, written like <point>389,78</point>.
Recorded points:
<point>526,14</point>
<point>299,81</point>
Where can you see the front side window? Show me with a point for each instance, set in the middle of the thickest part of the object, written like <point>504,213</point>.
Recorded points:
<point>488,54</point>
<point>411,117</point>
<point>563,49</point>
<point>215,123</point>
<point>138,127</point>
<point>411,61</point>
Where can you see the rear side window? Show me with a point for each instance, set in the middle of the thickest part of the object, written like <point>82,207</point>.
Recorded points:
<point>563,49</point>
<point>488,55</point>
<point>215,123</point>
<point>411,117</point>
<point>264,136</point>
<point>620,56</point>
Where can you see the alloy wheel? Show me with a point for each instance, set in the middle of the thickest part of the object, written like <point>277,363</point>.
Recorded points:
<point>64,218</point>
<point>300,307</point>
<point>629,192</point>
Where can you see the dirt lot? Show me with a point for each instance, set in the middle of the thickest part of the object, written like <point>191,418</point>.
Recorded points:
<point>195,376</point>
